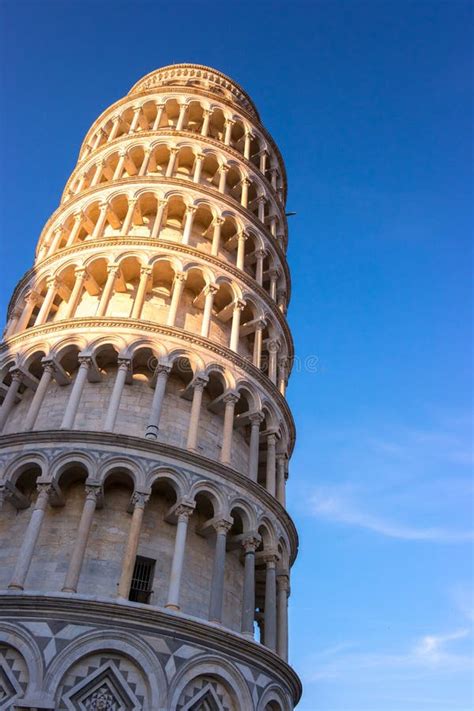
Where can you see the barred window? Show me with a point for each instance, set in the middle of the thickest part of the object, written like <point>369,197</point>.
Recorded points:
<point>142,580</point>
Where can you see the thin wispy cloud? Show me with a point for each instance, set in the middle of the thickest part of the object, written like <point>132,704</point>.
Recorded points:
<point>334,505</point>
<point>429,654</point>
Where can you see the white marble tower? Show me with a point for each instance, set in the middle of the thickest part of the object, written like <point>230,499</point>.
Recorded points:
<point>146,548</point>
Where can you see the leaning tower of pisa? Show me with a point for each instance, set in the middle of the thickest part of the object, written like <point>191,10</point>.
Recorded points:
<point>146,548</point>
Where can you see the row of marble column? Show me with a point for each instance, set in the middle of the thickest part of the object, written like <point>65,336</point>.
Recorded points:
<point>139,119</point>
<point>170,170</point>
<point>96,230</point>
<point>276,366</point>
<point>275,616</point>
<point>276,462</point>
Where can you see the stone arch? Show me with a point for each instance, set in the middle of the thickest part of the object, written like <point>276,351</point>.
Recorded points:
<point>131,349</point>
<point>175,479</point>
<point>267,532</point>
<point>66,345</point>
<point>226,376</point>
<point>195,360</point>
<point>210,490</point>
<point>122,643</point>
<point>211,666</point>
<point>203,268</point>
<point>118,343</point>
<point>67,460</point>
<point>21,640</point>
<point>251,393</point>
<point>22,463</point>
<point>246,512</point>
<point>176,264</point>
<point>274,698</point>
<point>129,468</point>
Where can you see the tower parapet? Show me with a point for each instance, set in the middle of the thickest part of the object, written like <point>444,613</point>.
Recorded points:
<point>145,431</point>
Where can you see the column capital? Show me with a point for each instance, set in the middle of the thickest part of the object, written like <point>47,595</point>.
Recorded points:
<point>271,438</point>
<point>251,542</point>
<point>200,382</point>
<point>218,221</point>
<point>123,153</point>
<point>16,311</point>
<point>211,289</point>
<point>81,272</point>
<point>270,558</point>
<point>249,134</point>
<point>77,216</point>
<point>242,235</point>
<point>174,150</point>
<point>223,525</point>
<point>16,374</point>
<point>93,492</point>
<point>261,324</point>
<point>246,181</point>
<point>180,277</point>
<point>274,273</point>
<point>32,297</point>
<point>53,282</point>
<point>200,156</point>
<point>261,253</point>
<point>283,582</point>
<point>113,269</point>
<point>124,363</point>
<point>139,499</point>
<point>84,360</point>
<point>223,168</point>
<point>191,209</point>
<point>162,369</point>
<point>239,305</point>
<point>184,510</point>
<point>273,345</point>
<point>257,418</point>
<point>146,270</point>
<point>45,488</point>
<point>229,122</point>
<point>231,396</point>
<point>48,365</point>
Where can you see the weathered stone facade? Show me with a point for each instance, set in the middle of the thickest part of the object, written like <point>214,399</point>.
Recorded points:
<point>146,549</point>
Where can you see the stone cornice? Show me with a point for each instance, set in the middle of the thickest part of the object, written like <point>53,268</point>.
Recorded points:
<point>171,133</point>
<point>137,88</point>
<point>187,91</point>
<point>149,620</point>
<point>182,456</point>
<point>164,246</point>
<point>10,345</point>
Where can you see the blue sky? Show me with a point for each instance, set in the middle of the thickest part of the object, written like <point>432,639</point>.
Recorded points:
<point>370,105</point>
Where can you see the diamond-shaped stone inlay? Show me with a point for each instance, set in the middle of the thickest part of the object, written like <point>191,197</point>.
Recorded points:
<point>103,699</point>
<point>106,689</point>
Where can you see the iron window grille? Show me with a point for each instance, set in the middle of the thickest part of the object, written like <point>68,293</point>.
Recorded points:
<point>142,580</point>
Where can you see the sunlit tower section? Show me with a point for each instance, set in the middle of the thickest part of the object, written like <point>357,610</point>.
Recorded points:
<point>146,548</point>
